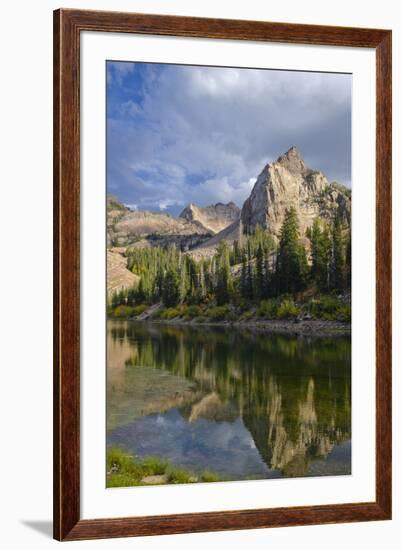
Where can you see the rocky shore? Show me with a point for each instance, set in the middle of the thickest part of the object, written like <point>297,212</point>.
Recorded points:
<point>310,327</point>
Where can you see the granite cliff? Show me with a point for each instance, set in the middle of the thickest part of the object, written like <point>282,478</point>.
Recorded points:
<point>287,183</point>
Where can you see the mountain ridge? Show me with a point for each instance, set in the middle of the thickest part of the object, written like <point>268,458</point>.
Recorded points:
<point>282,184</point>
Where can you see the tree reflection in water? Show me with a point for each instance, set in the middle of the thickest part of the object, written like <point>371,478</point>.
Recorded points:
<point>245,403</point>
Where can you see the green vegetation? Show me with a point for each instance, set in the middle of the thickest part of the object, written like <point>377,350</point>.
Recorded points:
<point>253,277</point>
<point>288,310</point>
<point>114,204</point>
<point>123,470</point>
<point>291,264</point>
<point>330,308</point>
<point>122,311</point>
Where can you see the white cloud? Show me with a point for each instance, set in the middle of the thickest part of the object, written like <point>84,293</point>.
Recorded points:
<point>203,134</point>
<point>116,71</point>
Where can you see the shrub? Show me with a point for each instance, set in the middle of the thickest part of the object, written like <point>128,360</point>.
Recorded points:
<point>169,313</point>
<point>287,310</point>
<point>193,311</point>
<point>231,316</point>
<point>123,311</point>
<point>344,313</point>
<point>137,310</point>
<point>182,309</point>
<point>217,312</point>
<point>330,308</point>
<point>267,308</point>
<point>246,315</point>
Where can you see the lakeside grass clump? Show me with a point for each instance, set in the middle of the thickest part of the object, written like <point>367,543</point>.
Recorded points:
<point>123,470</point>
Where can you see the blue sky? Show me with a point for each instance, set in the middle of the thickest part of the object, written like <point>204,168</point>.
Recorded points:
<point>178,134</point>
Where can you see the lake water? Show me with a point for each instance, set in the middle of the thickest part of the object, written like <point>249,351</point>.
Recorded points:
<point>242,403</point>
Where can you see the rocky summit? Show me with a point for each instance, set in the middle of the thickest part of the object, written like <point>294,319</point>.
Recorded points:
<point>289,182</point>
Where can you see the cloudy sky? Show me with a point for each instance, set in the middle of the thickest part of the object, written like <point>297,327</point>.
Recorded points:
<point>178,134</point>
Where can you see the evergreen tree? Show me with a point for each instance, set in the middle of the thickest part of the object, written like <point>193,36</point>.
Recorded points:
<point>158,284</point>
<point>141,291</point>
<point>268,277</point>
<point>223,286</point>
<point>338,259</point>
<point>320,255</point>
<point>348,266</point>
<point>250,274</point>
<point>243,277</point>
<point>291,265</point>
<point>131,296</point>
<point>171,289</point>
<point>115,299</point>
<point>259,274</point>
<point>184,283</point>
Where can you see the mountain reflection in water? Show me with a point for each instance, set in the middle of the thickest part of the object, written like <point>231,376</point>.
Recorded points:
<point>242,403</point>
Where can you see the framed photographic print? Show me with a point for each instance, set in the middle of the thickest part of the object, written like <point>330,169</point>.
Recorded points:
<point>222,274</point>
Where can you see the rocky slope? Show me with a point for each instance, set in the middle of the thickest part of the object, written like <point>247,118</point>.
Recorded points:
<point>286,183</point>
<point>214,218</point>
<point>125,227</point>
<point>118,276</point>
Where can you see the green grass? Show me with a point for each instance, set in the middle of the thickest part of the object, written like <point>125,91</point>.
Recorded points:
<point>209,477</point>
<point>179,475</point>
<point>126,471</point>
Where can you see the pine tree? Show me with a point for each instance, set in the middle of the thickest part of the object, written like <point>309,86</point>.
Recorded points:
<point>348,266</point>
<point>243,277</point>
<point>268,279</point>
<point>259,273</point>
<point>291,266</point>
<point>131,296</point>
<point>224,285</point>
<point>141,291</point>
<point>338,258</point>
<point>320,255</point>
<point>183,280</point>
<point>202,289</point>
<point>115,299</point>
<point>171,289</point>
<point>250,274</point>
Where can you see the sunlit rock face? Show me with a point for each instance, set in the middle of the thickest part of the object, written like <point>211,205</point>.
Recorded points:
<point>287,183</point>
<point>215,217</point>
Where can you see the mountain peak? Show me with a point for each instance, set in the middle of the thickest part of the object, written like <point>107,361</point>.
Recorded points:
<point>287,183</point>
<point>292,161</point>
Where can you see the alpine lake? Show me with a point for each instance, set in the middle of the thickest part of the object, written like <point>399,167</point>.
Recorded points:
<point>243,403</point>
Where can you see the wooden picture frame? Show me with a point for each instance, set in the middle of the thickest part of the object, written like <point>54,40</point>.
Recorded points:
<point>68,24</point>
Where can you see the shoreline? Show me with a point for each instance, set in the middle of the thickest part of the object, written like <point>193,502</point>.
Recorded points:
<point>310,327</point>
